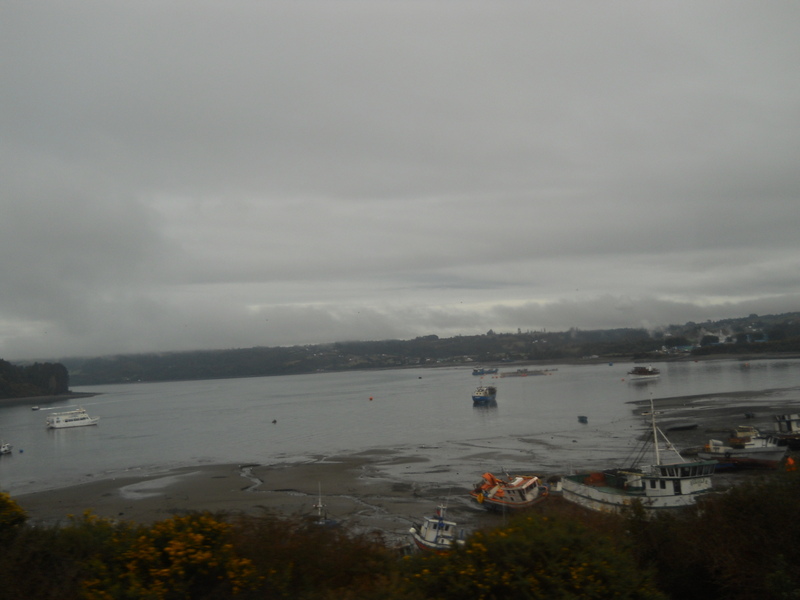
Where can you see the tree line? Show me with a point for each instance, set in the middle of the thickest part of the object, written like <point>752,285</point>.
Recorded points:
<point>38,379</point>
<point>748,335</point>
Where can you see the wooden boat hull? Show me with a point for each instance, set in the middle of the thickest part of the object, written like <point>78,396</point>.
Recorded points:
<point>512,494</point>
<point>503,506</point>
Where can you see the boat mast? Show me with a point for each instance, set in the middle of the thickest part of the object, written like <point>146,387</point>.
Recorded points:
<point>656,431</point>
<point>319,505</point>
<point>655,435</point>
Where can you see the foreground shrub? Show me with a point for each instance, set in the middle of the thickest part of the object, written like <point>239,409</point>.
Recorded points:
<point>51,561</point>
<point>299,558</point>
<point>12,516</point>
<point>180,558</point>
<point>738,545</point>
<point>534,557</point>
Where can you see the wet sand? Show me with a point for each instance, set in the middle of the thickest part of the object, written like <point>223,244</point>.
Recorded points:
<point>351,488</point>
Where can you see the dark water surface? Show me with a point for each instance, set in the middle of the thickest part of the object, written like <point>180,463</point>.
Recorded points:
<point>419,413</point>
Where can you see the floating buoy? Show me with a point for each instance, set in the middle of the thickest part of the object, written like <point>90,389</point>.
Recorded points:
<point>370,398</point>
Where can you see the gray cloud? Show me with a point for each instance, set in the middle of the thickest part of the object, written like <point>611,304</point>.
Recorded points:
<point>207,174</point>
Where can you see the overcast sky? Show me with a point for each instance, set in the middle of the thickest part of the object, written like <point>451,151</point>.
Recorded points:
<point>186,175</point>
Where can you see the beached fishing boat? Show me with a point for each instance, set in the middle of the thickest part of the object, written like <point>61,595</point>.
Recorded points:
<point>72,418</point>
<point>322,517</point>
<point>437,533</point>
<point>660,486</point>
<point>746,447</point>
<point>643,373</point>
<point>512,493</point>
<point>485,394</point>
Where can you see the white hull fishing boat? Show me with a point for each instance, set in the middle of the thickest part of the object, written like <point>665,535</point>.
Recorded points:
<point>663,485</point>
<point>746,447</point>
<point>72,418</point>
<point>436,533</point>
<point>513,493</point>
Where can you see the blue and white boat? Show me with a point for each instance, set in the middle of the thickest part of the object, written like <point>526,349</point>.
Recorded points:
<point>484,371</point>
<point>485,394</point>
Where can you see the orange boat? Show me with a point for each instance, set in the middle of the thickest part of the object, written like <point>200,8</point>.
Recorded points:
<point>513,493</point>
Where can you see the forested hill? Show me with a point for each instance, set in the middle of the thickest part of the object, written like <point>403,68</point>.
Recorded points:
<point>38,379</point>
<point>749,335</point>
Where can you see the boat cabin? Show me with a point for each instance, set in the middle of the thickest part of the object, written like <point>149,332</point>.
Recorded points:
<point>788,423</point>
<point>679,478</point>
<point>663,480</point>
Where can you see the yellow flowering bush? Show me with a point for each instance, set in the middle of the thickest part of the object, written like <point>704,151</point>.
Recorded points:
<point>11,515</point>
<point>180,558</point>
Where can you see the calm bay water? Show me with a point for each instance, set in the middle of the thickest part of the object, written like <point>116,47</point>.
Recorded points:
<point>424,413</point>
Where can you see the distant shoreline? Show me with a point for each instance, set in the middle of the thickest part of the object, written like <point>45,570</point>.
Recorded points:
<point>572,361</point>
<point>513,365</point>
<point>599,360</point>
<point>40,400</point>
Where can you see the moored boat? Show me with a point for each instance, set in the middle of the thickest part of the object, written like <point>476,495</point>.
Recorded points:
<point>484,394</point>
<point>437,533</point>
<point>517,373</point>
<point>746,447</point>
<point>72,418</point>
<point>484,371</point>
<point>643,373</point>
<point>662,485</point>
<point>513,493</point>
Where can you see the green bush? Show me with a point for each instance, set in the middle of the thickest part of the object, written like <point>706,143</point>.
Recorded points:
<point>735,545</point>
<point>534,557</point>
<point>299,558</point>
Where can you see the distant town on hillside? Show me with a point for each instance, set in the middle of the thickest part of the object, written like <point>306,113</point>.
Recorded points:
<point>754,334</point>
